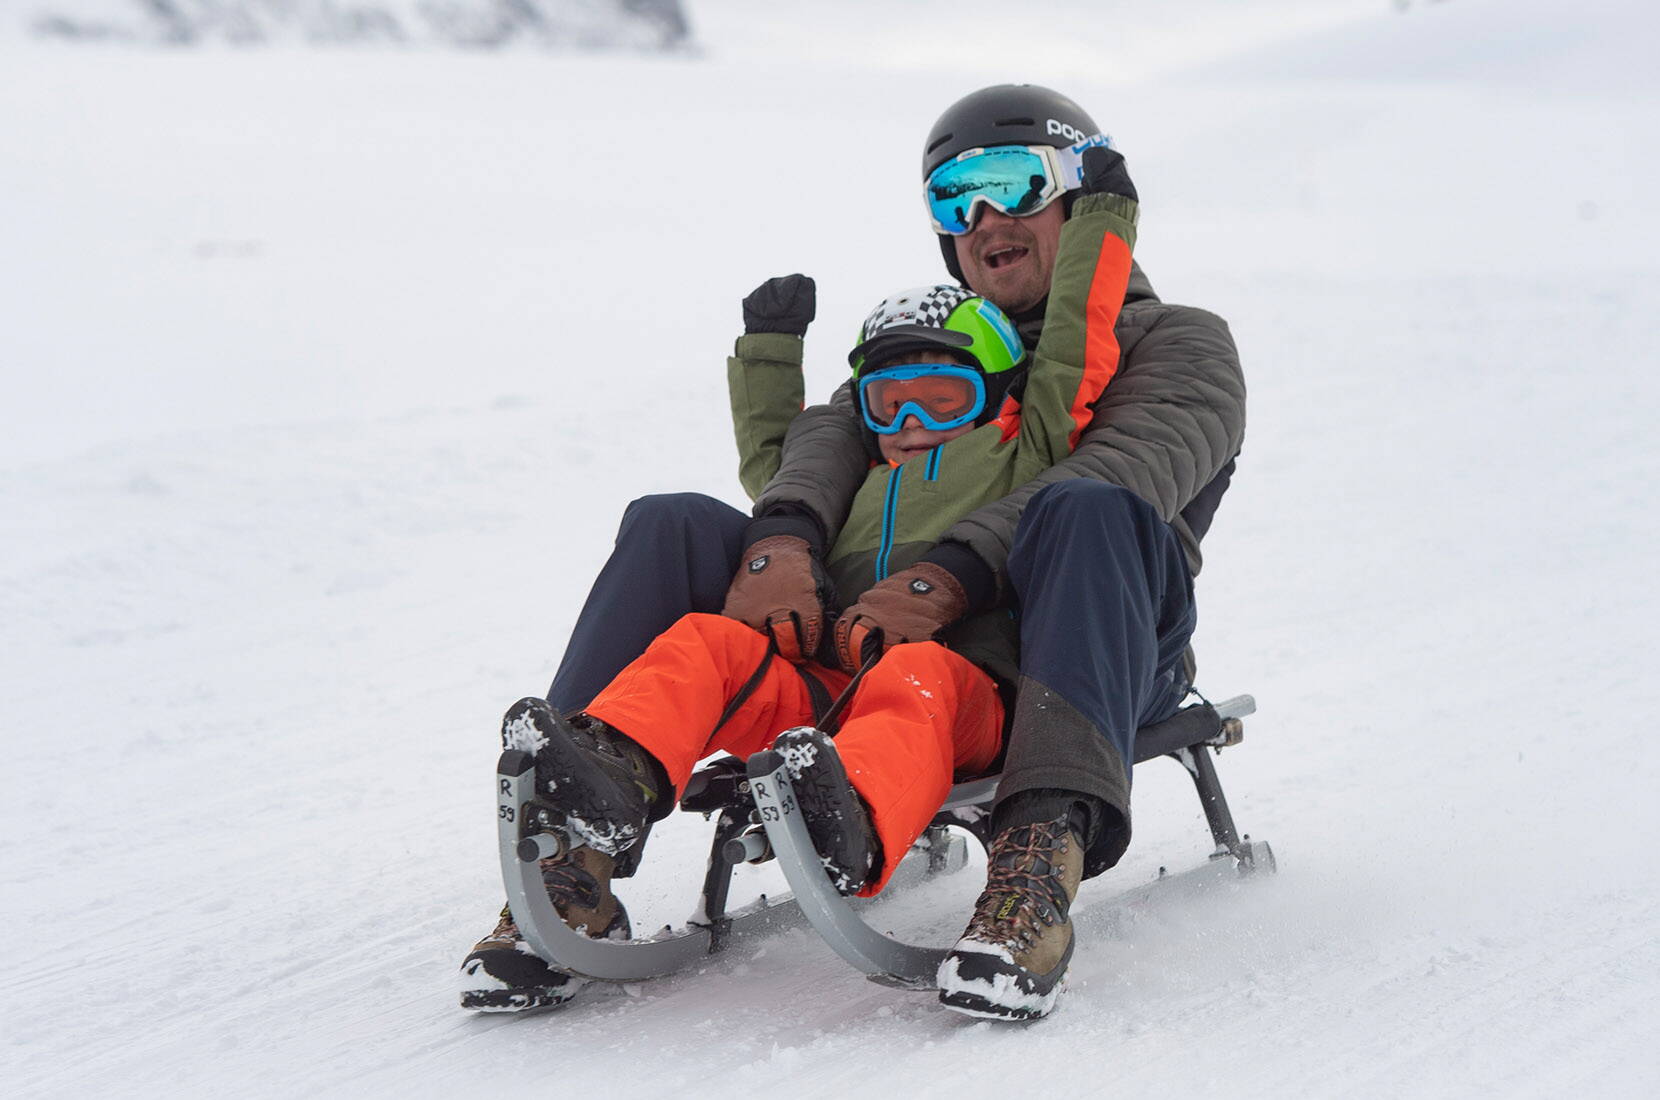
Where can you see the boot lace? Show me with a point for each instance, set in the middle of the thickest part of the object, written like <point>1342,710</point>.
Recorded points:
<point>505,931</point>
<point>1024,890</point>
<point>566,882</point>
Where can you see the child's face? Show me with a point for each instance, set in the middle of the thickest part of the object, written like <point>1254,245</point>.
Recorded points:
<point>912,439</point>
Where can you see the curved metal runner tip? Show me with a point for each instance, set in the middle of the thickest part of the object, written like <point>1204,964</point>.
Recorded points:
<point>831,914</point>
<point>539,922</point>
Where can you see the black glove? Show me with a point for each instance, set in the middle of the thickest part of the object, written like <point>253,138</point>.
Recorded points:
<point>1104,173</point>
<point>784,304</point>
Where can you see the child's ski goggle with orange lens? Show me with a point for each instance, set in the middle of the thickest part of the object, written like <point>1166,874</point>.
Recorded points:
<point>1018,180</point>
<point>939,395</point>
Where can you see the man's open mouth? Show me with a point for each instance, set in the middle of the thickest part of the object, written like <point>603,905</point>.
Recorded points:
<point>1003,257</point>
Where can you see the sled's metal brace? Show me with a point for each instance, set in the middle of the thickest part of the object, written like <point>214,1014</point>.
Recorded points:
<point>831,915</point>
<point>629,960</point>
<point>548,935</point>
<point>1196,758</point>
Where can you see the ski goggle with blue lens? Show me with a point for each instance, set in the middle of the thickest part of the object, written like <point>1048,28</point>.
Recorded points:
<point>1018,180</point>
<point>939,395</point>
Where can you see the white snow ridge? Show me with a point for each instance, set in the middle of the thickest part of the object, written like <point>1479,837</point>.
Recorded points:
<point>329,373</point>
<point>603,835</point>
<point>799,756</point>
<point>521,733</point>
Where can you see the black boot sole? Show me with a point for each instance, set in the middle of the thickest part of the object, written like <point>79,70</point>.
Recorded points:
<point>1035,995</point>
<point>838,825</point>
<point>529,982</point>
<point>519,1000</point>
<point>597,809</point>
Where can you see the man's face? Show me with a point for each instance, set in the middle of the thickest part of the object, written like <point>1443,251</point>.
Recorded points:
<point>1012,260</point>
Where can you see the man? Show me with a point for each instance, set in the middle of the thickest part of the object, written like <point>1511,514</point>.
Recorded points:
<point>1095,553</point>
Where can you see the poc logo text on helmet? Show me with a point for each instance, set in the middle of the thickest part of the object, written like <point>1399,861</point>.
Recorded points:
<point>1055,127</point>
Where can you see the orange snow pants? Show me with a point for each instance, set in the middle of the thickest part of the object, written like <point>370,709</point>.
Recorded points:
<point>922,714</point>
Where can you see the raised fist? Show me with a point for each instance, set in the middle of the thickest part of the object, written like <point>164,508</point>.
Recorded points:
<point>786,303</point>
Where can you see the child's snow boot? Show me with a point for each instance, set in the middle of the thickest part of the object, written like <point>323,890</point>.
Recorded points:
<point>1010,961</point>
<point>836,817</point>
<point>503,975</point>
<point>604,785</point>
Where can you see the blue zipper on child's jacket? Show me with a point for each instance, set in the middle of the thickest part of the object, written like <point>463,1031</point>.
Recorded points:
<point>890,509</point>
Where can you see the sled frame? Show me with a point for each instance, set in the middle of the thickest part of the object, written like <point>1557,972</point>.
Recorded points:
<point>757,818</point>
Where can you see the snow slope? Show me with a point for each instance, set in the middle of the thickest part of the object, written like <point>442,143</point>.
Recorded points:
<point>328,375</point>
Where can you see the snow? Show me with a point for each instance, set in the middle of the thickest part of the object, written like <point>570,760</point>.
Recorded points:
<point>798,753</point>
<point>329,373</point>
<point>521,732</point>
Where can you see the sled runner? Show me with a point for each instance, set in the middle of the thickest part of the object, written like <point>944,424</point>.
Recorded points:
<point>757,819</point>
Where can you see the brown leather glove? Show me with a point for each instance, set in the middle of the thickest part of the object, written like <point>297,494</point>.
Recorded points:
<point>913,605</point>
<point>781,589</point>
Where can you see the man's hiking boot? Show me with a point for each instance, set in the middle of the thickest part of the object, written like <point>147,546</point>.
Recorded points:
<point>503,975</point>
<point>604,785</point>
<point>1011,959</point>
<point>835,815</point>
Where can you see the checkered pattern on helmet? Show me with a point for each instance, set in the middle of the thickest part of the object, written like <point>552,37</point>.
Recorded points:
<point>928,306</point>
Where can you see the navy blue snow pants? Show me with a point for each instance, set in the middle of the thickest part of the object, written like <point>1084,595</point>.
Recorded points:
<point>675,554</point>
<point>1106,611</point>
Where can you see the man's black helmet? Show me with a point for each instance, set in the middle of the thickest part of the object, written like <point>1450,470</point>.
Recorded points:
<point>1004,114</point>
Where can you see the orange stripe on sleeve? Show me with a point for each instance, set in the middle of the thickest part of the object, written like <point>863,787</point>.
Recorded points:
<point>1101,309</point>
<point>1008,418</point>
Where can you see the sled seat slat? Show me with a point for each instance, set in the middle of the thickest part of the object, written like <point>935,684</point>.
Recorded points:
<point>724,783</point>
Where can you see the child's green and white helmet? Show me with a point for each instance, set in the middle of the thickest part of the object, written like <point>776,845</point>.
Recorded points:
<point>935,318</point>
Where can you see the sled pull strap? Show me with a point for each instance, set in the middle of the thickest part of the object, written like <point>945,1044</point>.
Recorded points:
<point>749,687</point>
<point>831,718</point>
